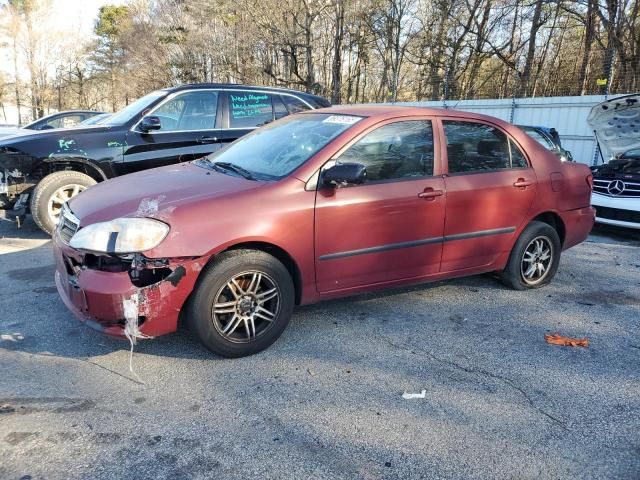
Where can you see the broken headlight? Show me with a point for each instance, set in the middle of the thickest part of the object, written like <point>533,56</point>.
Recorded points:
<point>122,235</point>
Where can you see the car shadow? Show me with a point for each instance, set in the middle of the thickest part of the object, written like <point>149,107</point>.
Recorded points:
<point>28,230</point>
<point>602,232</point>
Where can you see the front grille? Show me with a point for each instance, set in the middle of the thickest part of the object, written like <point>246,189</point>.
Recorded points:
<point>616,188</point>
<point>68,224</point>
<point>618,214</point>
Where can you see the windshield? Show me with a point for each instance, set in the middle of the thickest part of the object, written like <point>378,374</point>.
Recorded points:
<point>276,150</point>
<point>100,118</point>
<point>131,110</point>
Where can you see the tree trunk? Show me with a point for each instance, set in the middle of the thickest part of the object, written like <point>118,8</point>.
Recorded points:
<point>531,49</point>
<point>589,36</point>
<point>336,67</point>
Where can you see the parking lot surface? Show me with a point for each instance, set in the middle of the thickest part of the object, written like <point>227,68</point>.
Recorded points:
<point>325,401</point>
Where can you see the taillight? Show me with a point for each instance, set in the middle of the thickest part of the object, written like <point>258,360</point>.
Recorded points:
<point>590,181</point>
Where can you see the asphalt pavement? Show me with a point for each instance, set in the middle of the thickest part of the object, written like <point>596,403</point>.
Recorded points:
<point>325,401</point>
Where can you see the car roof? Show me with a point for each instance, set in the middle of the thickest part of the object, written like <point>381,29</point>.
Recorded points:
<point>231,86</point>
<point>71,112</point>
<point>391,111</point>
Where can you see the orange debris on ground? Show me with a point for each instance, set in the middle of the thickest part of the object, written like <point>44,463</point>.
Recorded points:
<point>557,339</point>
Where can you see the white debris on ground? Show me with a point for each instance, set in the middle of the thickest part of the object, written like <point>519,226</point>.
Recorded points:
<point>11,337</point>
<point>131,327</point>
<point>410,396</point>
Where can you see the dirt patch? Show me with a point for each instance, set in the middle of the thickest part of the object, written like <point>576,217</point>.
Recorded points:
<point>33,273</point>
<point>606,297</point>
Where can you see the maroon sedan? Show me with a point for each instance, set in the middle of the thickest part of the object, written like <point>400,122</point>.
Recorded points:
<point>314,206</point>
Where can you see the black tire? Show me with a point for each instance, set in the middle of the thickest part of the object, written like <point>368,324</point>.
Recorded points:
<point>535,234</point>
<point>45,189</point>
<point>213,285</point>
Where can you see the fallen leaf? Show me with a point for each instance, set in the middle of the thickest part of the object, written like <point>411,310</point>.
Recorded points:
<point>557,339</point>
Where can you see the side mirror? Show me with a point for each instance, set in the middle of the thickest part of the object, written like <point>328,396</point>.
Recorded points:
<point>150,123</point>
<point>342,174</point>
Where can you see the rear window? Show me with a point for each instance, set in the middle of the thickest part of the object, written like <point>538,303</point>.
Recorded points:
<point>294,104</point>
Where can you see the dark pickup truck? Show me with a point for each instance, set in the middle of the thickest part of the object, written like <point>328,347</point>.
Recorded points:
<point>41,171</point>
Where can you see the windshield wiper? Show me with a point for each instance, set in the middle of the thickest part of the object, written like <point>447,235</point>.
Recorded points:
<point>221,166</point>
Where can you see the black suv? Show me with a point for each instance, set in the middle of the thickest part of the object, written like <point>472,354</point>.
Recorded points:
<point>45,169</point>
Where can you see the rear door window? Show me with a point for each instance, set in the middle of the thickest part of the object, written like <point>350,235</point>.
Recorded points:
<point>477,147</point>
<point>249,109</point>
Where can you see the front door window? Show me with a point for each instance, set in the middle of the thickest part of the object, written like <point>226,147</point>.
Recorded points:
<point>188,111</point>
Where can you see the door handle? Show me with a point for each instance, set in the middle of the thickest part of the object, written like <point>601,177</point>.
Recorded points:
<point>522,183</point>
<point>430,194</point>
<point>207,139</point>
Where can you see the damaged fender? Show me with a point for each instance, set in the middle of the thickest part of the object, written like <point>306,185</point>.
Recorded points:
<point>110,294</point>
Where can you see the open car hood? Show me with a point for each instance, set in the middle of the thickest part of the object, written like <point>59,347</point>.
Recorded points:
<point>616,124</point>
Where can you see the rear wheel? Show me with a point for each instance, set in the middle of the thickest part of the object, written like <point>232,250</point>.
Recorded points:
<point>242,303</point>
<point>534,259</point>
<point>51,192</point>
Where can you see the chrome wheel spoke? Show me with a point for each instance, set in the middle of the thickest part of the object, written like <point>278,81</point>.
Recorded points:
<point>246,328</point>
<point>58,199</point>
<point>530,271</point>
<point>539,246</point>
<point>232,325</point>
<point>235,288</point>
<point>255,283</point>
<point>225,307</point>
<point>265,314</point>
<point>267,295</point>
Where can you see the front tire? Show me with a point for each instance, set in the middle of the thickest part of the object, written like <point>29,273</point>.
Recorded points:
<point>534,258</point>
<point>51,192</point>
<point>242,303</point>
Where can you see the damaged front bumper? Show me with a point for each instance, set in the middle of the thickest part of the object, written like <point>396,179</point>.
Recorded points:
<point>101,290</point>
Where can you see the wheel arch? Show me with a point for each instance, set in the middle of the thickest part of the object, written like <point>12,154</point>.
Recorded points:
<point>555,221</point>
<point>279,253</point>
<point>81,165</point>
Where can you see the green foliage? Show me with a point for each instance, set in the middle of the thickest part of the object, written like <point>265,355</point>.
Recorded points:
<point>112,21</point>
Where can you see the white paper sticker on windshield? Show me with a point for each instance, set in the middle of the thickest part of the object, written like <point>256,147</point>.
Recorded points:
<point>342,119</point>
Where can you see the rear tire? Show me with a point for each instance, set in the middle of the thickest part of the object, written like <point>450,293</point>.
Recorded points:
<point>534,258</point>
<point>242,303</point>
<point>49,194</point>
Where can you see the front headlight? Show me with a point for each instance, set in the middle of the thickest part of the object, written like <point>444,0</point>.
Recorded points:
<point>122,235</point>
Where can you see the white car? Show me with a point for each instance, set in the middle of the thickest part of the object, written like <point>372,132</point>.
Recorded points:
<point>616,183</point>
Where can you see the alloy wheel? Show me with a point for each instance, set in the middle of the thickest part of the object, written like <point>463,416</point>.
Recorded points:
<point>536,260</point>
<point>59,197</point>
<point>246,306</point>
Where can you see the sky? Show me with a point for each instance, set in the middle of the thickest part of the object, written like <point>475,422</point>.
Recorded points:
<point>78,15</point>
<point>74,16</point>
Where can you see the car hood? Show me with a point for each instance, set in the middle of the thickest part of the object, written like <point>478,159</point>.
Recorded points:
<point>616,124</point>
<point>21,135</point>
<point>10,131</point>
<point>156,193</point>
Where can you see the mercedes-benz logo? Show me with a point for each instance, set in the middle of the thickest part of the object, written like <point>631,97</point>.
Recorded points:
<point>616,187</point>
